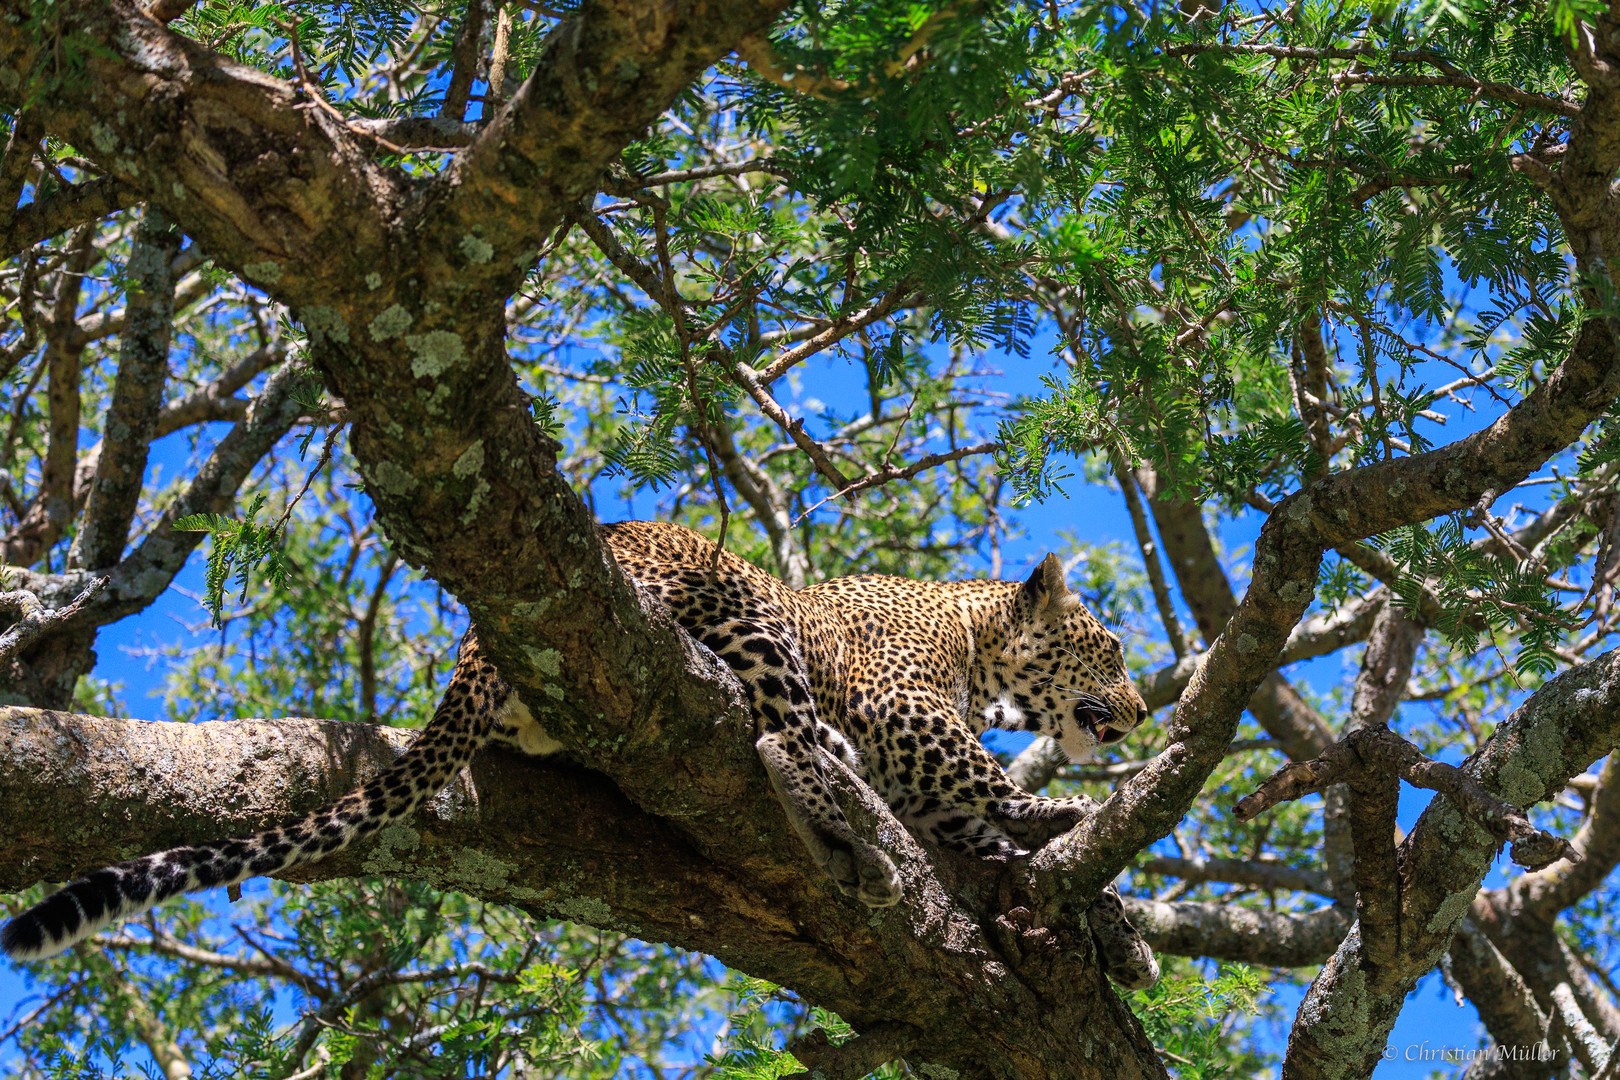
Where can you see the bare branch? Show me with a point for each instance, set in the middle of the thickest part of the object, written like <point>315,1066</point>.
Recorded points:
<point>1231,932</point>
<point>1208,592</point>
<point>36,620</point>
<point>1380,749</point>
<point>853,1058</point>
<point>417,132</point>
<point>1506,1005</point>
<point>498,58</point>
<point>131,424</point>
<point>645,277</point>
<point>1265,875</point>
<point>264,966</point>
<point>464,63</point>
<point>1386,666</point>
<point>620,185</point>
<point>748,379</point>
<point>1150,557</point>
<point>905,472</point>
<point>216,400</point>
<point>49,514</point>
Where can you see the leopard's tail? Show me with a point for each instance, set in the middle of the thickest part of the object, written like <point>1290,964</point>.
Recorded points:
<point>460,725</point>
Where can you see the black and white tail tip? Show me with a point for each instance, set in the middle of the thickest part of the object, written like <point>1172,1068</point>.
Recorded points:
<point>67,917</point>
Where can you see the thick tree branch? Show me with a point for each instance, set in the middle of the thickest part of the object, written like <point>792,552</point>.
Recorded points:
<point>1506,1005</point>
<point>147,570</point>
<point>51,509</point>
<point>1208,592</point>
<point>1266,875</point>
<point>418,132</point>
<point>60,211</point>
<point>1229,932</point>
<point>464,57</point>
<point>1379,750</point>
<point>1556,734</point>
<point>1536,898</point>
<point>152,784</point>
<point>1374,794</point>
<point>143,369</point>
<point>607,72</point>
<point>1338,509</point>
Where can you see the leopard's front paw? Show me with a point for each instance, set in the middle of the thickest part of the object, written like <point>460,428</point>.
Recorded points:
<point>864,872</point>
<point>1034,826</point>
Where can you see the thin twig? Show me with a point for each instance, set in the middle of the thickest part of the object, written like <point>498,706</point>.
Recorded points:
<point>927,461</point>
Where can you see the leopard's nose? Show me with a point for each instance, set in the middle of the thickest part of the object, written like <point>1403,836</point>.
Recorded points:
<point>1142,713</point>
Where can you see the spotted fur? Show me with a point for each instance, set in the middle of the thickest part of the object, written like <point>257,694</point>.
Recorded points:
<point>895,677</point>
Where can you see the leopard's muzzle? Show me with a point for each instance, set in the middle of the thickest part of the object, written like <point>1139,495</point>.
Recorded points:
<point>1105,725</point>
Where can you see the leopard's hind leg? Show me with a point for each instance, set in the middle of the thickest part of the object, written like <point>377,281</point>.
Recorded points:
<point>790,740</point>
<point>1124,954</point>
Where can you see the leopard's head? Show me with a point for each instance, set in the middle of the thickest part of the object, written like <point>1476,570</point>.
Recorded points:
<point>1056,669</point>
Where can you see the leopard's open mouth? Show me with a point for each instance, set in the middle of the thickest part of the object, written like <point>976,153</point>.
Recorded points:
<point>1099,721</point>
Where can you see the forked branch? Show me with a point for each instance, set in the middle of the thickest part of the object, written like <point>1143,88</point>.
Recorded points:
<point>1378,750</point>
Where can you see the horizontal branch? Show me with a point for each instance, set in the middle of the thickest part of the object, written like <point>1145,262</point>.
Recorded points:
<point>625,185</point>
<point>1232,932</point>
<point>1495,90</point>
<point>757,903</point>
<point>418,132</point>
<point>60,211</point>
<point>1265,875</point>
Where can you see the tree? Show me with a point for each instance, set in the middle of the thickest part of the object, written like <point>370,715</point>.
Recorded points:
<point>1269,253</point>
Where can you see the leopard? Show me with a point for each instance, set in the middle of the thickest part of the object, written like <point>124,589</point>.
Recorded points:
<point>894,678</point>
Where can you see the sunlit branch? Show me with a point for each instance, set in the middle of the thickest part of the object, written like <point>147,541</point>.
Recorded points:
<point>845,325</point>
<point>1225,931</point>
<point>1380,749</point>
<point>1265,875</point>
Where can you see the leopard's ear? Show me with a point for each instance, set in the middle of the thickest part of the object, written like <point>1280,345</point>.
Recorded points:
<point>1046,591</point>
